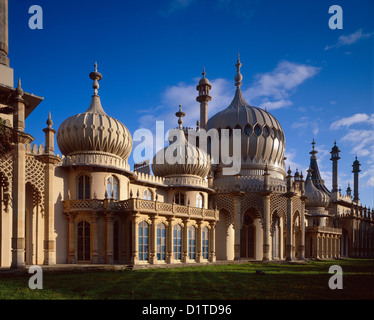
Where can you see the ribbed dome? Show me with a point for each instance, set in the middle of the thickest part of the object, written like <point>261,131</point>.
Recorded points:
<point>94,131</point>
<point>181,158</point>
<point>262,137</point>
<point>315,197</point>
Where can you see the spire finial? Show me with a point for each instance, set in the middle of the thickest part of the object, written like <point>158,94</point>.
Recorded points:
<point>19,89</point>
<point>96,76</point>
<point>180,114</point>
<point>238,76</point>
<point>203,72</point>
<point>49,120</point>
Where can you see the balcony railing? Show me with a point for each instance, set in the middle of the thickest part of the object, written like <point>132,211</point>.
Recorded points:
<point>145,206</point>
<point>323,229</point>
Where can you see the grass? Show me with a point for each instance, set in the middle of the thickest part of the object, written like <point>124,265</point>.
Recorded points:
<point>219,282</point>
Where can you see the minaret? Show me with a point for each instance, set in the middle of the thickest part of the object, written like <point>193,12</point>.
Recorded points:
<point>356,170</point>
<point>6,73</point>
<point>334,158</point>
<point>180,114</point>
<point>4,60</point>
<point>203,87</point>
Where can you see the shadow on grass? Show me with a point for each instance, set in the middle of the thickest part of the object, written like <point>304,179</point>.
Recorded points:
<point>224,282</point>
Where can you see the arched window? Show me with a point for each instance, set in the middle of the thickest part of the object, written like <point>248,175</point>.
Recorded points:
<point>147,194</point>
<point>177,242</point>
<point>192,242</point>
<point>84,187</point>
<point>276,242</point>
<point>143,240</point>
<point>112,187</point>
<point>179,198</point>
<point>247,238</point>
<point>161,241</point>
<point>205,242</point>
<point>199,200</point>
<point>84,241</point>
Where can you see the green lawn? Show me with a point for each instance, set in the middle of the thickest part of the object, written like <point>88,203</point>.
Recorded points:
<point>233,281</point>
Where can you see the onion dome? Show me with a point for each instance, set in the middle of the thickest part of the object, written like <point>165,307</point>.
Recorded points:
<point>93,131</point>
<point>204,80</point>
<point>180,157</point>
<point>315,197</point>
<point>262,137</point>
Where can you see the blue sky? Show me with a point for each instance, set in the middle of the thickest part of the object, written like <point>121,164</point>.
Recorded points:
<point>316,81</point>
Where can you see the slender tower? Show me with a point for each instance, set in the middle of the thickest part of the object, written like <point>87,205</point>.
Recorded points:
<point>334,158</point>
<point>203,87</point>
<point>4,60</point>
<point>6,73</point>
<point>356,170</point>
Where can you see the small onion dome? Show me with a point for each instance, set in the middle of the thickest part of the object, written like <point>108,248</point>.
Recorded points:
<point>181,158</point>
<point>315,197</point>
<point>94,131</point>
<point>204,80</point>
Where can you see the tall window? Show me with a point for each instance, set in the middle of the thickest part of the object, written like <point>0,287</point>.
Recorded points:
<point>205,242</point>
<point>191,242</point>
<point>199,200</point>
<point>84,241</point>
<point>112,187</point>
<point>84,187</point>
<point>179,198</point>
<point>143,240</point>
<point>161,241</point>
<point>147,194</point>
<point>247,238</point>
<point>276,238</point>
<point>177,242</point>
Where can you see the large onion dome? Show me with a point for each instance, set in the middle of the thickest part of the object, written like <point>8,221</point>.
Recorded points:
<point>315,198</point>
<point>93,131</point>
<point>262,137</point>
<point>180,157</point>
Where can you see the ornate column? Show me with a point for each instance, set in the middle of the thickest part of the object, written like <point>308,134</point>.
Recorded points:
<point>199,256</point>
<point>302,198</point>
<point>185,241</point>
<point>72,239</point>
<point>266,227</point>
<point>237,225</point>
<point>123,242</point>
<point>109,238</point>
<point>19,181</point>
<point>135,239</point>
<point>95,242</point>
<point>289,230</point>
<point>212,242</point>
<point>153,241</point>
<point>169,241</point>
<point>50,161</point>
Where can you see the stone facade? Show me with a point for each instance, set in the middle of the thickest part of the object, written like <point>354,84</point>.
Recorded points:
<point>88,206</point>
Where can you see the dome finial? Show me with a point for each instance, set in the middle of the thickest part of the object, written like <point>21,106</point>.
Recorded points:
<point>49,120</point>
<point>203,72</point>
<point>238,76</point>
<point>96,76</point>
<point>180,114</point>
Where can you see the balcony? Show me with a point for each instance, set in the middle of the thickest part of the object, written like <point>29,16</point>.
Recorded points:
<point>320,229</point>
<point>138,205</point>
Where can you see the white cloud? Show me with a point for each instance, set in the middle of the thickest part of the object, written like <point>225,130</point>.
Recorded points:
<point>354,119</point>
<point>350,39</point>
<point>174,6</point>
<point>276,86</point>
